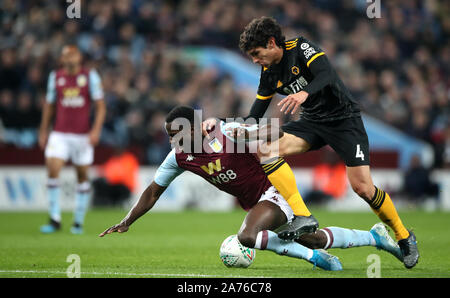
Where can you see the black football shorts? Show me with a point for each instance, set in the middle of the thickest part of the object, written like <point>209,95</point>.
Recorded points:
<point>347,137</point>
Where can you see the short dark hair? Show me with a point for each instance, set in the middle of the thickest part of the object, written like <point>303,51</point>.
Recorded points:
<point>181,112</point>
<point>257,34</point>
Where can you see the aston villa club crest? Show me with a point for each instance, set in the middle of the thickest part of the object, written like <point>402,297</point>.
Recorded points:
<point>215,145</point>
<point>61,81</point>
<point>81,80</point>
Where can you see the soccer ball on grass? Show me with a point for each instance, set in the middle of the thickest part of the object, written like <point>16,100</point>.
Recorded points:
<point>234,254</point>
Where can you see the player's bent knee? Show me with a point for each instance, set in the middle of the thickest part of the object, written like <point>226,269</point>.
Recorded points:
<point>361,181</point>
<point>364,190</point>
<point>267,150</point>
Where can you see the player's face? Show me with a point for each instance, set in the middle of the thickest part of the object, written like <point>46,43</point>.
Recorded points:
<point>266,56</point>
<point>71,57</point>
<point>260,56</point>
<point>176,136</point>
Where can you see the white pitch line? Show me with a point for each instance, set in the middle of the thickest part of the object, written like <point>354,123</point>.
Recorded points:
<point>130,274</point>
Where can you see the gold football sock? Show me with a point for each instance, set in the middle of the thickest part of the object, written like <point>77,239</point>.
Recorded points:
<point>384,208</point>
<point>283,179</point>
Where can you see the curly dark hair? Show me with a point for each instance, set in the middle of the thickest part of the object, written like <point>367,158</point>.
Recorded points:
<point>181,112</point>
<point>186,112</point>
<point>257,34</point>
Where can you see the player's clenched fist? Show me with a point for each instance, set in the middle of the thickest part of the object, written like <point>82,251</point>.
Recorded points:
<point>208,124</point>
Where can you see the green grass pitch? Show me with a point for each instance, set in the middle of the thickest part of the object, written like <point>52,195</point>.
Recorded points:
<point>186,244</point>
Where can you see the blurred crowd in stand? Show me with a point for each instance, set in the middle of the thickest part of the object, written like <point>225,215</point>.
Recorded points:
<point>397,66</point>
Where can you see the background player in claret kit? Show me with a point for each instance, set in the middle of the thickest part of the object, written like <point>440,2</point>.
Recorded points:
<point>71,91</point>
<point>330,115</point>
<point>240,175</point>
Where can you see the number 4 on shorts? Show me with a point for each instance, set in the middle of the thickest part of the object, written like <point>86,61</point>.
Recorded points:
<point>359,153</point>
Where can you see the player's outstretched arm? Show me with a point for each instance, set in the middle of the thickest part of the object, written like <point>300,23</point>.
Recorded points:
<point>144,204</point>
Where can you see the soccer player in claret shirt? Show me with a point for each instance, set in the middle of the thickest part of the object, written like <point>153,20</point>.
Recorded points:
<point>329,115</point>
<point>71,91</point>
<point>238,172</point>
